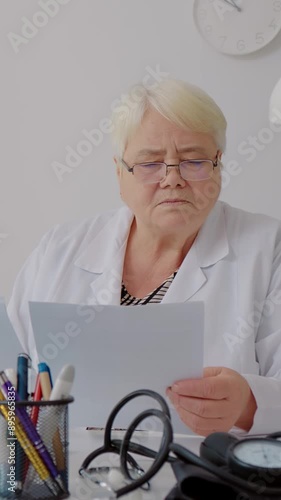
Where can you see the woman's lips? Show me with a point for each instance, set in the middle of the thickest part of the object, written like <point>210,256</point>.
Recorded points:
<point>170,202</point>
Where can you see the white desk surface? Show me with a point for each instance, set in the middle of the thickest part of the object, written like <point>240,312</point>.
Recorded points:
<point>83,442</point>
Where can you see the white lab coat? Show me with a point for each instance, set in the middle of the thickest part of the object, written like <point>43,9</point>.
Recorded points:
<point>234,267</point>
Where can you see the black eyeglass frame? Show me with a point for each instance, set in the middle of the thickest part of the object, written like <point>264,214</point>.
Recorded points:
<point>214,162</point>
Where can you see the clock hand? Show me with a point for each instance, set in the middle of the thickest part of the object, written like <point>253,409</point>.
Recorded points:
<point>233,3</point>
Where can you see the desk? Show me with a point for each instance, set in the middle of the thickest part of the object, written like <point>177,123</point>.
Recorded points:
<point>82,442</point>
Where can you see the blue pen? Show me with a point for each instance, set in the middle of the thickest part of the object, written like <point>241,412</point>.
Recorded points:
<point>22,375</point>
<point>32,433</point>
<point>23,365</point>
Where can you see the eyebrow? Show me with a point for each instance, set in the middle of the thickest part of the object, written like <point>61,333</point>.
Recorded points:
<point>183,149</point>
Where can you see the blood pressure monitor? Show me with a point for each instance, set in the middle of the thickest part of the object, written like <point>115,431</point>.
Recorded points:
<point>256,456</point>
<point>250,458</point>
<point>228,467</point>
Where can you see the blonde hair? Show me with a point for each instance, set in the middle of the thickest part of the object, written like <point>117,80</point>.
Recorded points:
<point>180,102</point>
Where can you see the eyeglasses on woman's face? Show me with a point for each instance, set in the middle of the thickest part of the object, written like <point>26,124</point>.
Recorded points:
<point>190,170</point>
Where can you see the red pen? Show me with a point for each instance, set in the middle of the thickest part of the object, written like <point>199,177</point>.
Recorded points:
<point>37,397</point>
<point>34,411</point>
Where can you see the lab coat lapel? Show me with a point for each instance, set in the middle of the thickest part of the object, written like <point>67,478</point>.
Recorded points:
<point>188,281</point>
<point>106,287</point>
<point>104,257</point>
<point>210,246</point>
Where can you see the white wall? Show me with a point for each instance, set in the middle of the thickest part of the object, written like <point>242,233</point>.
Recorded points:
<point>66,78</point>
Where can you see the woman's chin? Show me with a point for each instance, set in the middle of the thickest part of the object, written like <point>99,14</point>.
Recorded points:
<point>174,220</point>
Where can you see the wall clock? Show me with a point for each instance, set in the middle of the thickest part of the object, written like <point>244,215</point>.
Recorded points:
<point>237,27</point>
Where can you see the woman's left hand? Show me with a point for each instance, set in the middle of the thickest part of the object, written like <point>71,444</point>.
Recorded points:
<point>216,402</point>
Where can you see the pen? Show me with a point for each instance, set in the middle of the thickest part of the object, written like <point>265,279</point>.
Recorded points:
<point>35,409</point>
<point>49,422</point>
<point>48,425</point>
<point>23,364</point>
<point>50,376</point>
<point>44,375</point>
<point>30,451</point>
<point>22,375</point>
<point>118,429</point>
<point>31,432</point>
<point>12,376</point>
<point>36,397</point>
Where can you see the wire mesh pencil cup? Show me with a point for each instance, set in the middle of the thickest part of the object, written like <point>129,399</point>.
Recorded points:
<point>34,449</point>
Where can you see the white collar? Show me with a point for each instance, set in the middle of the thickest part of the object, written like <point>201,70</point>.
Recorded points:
<point>211,244</point>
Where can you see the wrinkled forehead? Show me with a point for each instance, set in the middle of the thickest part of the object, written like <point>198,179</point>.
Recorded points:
<point>156,135</point>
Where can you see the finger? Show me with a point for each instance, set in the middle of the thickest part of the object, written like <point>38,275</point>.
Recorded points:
<point>212,371</point>
<point>206,408</point>
<point>173,397</point>
<point>207,388</point>
<point>203,426</point>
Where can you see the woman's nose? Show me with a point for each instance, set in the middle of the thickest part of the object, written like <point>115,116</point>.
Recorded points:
<point>173,177</point>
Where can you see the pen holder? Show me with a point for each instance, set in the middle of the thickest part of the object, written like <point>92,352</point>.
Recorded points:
<point>34,438</point>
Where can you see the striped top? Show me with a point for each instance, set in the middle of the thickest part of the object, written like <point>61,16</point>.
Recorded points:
<point>153,297</point>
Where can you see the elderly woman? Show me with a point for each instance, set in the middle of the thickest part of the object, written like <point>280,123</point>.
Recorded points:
<point>173,241</point>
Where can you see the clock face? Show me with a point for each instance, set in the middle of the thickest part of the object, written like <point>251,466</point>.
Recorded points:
<point>237,26</point>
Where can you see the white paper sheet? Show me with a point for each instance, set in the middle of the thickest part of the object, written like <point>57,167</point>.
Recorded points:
<point>116,350</point>
<point>10,346</point>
